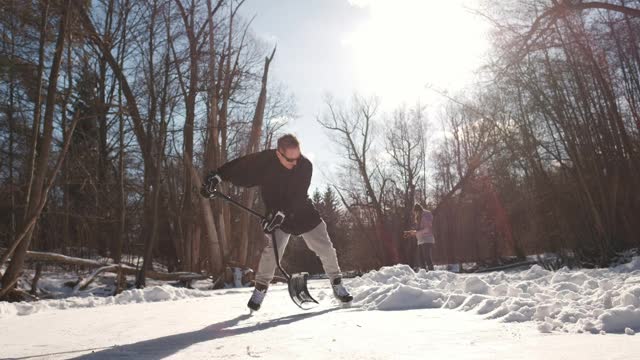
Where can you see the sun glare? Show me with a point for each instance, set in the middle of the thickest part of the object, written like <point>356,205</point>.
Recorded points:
<point>407,44</point>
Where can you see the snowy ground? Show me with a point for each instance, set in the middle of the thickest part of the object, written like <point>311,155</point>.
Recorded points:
<point>397,314</point>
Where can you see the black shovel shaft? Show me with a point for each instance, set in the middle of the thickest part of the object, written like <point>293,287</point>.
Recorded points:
<point>261,217</point>
<point>251,211</point>
<point>275,249</point>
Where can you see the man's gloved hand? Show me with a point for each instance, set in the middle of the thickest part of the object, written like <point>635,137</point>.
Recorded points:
<point>209,184</point>
<point>272,222</point>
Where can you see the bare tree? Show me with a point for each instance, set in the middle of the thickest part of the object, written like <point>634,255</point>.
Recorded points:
<point>38,192</point>
<point>406,144</point>
<point>354,126</point>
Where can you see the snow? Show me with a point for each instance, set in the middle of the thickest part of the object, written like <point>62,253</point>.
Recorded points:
<point>219,326</point>
<point>588,300</point>
<point>396,313</point>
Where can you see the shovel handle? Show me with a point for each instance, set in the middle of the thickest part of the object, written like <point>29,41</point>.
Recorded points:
<point>251,211</point>
<point>261,217</point>
<point>275,250</point>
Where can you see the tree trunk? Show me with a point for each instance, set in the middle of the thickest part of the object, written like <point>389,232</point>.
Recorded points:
<point>17,261</point>
<point>38,105</point>
<point>253,146</point>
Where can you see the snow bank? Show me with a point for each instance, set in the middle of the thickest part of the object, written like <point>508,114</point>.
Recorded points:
<point>149,294</point>
<point>588,300</point>
<point>591,300</point>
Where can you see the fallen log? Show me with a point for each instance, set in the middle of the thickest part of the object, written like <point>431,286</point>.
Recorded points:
<point>506,267</point>
<point>109,266</point>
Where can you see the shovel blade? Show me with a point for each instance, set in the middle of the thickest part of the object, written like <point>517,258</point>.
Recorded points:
<point>299,292</point>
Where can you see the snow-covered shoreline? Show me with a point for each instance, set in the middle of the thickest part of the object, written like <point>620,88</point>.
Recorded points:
<point>149,294</point>
<point>575,301</point>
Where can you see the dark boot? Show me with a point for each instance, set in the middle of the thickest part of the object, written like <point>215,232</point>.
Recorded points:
<point>339,291</point>
<point>256,298</point>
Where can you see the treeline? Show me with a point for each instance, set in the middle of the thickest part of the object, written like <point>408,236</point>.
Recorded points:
<point>111,110</point>
<point>541,155</point>
<point>558,128</point>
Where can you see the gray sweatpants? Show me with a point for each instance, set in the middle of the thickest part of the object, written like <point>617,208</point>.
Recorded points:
<point>317,240</point>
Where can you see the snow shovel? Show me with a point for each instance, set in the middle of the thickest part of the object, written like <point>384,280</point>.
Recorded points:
<point>297,283</point>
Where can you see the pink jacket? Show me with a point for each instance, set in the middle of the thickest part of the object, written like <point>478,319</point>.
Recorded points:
<point>424,232</point>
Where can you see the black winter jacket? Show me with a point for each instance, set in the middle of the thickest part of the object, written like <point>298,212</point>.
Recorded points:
<point>282,189</point>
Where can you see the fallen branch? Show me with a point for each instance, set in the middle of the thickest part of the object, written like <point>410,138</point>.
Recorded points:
<point>82,284</point>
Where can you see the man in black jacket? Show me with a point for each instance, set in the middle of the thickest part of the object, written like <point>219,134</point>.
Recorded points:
<point>284,176</point>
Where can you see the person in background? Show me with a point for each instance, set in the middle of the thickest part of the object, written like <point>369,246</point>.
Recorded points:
<point>424,236</point>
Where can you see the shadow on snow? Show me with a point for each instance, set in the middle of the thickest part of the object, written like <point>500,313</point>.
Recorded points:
<point>168,345</point>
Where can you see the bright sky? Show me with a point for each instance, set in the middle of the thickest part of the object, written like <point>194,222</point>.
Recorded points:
<point>389,48</point>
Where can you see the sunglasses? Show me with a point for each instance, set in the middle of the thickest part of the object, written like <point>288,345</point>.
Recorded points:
<point>293,161</point>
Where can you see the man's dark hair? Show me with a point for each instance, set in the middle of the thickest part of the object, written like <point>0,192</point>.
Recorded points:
<point>288,141</point>
<point>418,207</point>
